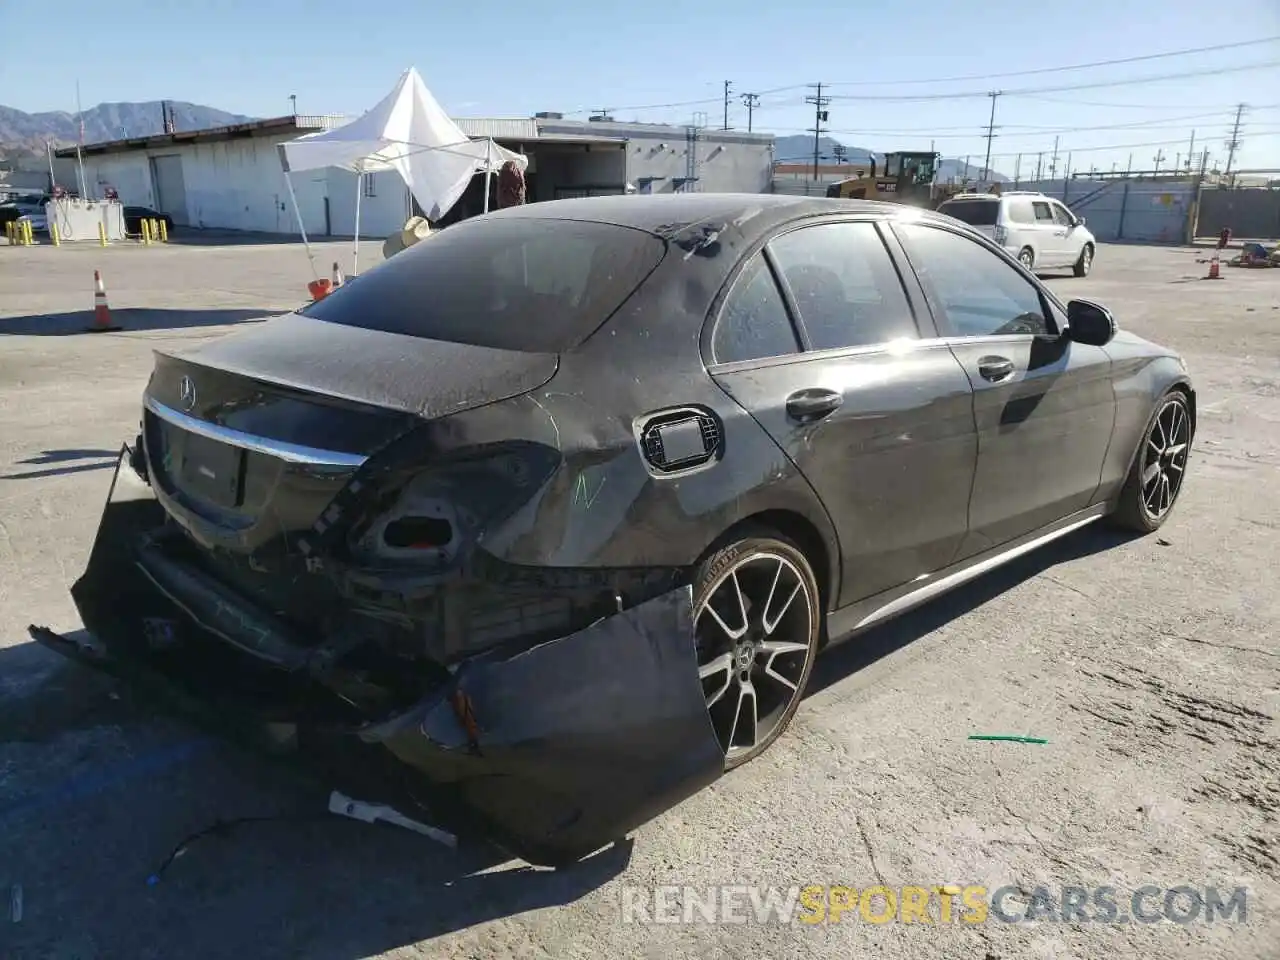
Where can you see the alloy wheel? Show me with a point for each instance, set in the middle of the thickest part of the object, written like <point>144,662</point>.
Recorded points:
<point>1086,261</point>
<point>1164,460</point>
<point>753,633</point>
<point>1026,259</point>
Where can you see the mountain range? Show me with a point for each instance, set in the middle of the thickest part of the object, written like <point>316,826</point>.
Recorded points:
<point>24,135</point>
<point>798,148</point>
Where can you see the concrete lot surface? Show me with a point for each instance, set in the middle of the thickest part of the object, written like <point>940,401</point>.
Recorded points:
<point>1151,666</point>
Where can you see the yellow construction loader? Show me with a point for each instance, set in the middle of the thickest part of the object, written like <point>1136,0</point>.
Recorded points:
<point>908,177</point>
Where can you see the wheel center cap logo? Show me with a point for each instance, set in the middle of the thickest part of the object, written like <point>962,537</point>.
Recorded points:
<point>186,393</point>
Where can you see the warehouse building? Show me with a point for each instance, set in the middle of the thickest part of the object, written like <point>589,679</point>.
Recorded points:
<point>231,178</point>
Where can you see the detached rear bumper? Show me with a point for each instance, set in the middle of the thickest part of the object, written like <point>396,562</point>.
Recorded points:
<point>556,750</point>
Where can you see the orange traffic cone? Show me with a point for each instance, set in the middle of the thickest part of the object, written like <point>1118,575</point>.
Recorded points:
<point>101,309</point>
<point>1214,269</point>
<point>338,279</point>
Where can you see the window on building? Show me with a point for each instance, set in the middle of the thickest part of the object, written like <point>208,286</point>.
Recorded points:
<point>753,323</point>
<point>844,284</point>
<point>979,294</point>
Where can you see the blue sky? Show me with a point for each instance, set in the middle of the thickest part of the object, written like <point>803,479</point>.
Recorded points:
<point>506,59</point>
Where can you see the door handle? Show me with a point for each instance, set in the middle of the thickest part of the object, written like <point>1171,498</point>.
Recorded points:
<point>812,404</point>
<point>995,369</point>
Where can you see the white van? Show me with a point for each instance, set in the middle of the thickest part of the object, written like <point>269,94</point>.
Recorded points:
<point>1040,231</point>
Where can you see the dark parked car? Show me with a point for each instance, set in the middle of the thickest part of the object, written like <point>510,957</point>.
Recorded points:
<point>558,507</point>
<point>133,217</point>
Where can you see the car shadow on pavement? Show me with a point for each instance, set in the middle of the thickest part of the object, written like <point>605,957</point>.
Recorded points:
<point>878,642</point>
<point>129,320</point>
<point>95,460</point>
<point>97,790</point>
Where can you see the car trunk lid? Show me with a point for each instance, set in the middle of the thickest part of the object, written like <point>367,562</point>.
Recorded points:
<point>250,437</point>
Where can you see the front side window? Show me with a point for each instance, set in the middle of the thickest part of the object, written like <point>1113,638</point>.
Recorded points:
<point>978,293</point>
<point>1063,216</point>
<point>845,287</point>
<point>753,323</point>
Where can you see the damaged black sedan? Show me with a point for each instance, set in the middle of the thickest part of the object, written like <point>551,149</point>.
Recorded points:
<point>558,507</point>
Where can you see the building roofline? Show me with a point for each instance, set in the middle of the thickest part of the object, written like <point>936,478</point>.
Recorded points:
<point>255,128</point>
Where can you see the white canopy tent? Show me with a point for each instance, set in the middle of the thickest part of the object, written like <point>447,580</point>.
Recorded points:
<point>409,132</point>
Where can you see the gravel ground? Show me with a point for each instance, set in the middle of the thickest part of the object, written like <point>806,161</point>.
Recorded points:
<point>1151,666</point>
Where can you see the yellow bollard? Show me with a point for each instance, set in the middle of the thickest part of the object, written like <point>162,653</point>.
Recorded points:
<point>54,235</point>
<point>155,231</point>
<point>8,231</point>
<point>146,233</point>
<point>102,234</point>
<point>164,232</point>
<point>27,237</point>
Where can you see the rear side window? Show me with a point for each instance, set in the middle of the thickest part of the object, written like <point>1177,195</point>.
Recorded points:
<point>754,322</point>
<point>1044,213</point>
<point>1019,211</point>
<point>845,286</point>
<point>976,213</point>
<point>513,283</point>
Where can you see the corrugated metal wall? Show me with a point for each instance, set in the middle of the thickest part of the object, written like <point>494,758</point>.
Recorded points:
<point>1252,213</point>
<point>1143,211</point>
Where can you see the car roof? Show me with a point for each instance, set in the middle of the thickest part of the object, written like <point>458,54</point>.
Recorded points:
<point>670,214</point>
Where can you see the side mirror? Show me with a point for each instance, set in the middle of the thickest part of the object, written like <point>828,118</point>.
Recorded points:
<point>1087,322</point>
<point>1079,221</point>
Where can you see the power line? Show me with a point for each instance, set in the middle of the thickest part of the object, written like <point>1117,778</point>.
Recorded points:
<point>1075,66</point>
<point>820,116</point>
<point>1096,85</point>
<point>1021,130</point>
<point>1130,146</point>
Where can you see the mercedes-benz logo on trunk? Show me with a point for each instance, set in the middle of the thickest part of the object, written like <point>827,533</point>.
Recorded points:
<point>186,393</point>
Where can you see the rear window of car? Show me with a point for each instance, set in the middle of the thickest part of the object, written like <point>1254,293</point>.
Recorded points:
<point>527,284</point>
<point>976,213</point>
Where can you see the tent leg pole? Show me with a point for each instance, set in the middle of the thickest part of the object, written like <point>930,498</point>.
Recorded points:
<point>293,198</point>
<point>355,252</point>
<point>488,171</point>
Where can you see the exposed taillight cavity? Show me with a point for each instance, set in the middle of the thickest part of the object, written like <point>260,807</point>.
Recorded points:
<point>1001,234</point>
<point>418,533</point>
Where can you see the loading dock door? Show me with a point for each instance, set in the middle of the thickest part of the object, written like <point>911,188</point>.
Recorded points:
<point>171,191</point>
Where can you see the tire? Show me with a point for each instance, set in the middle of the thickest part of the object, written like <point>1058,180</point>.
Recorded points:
<point>750,576</point>
<point>1134,507</point>
<point>1085,263</point>
<point>1027,257</point>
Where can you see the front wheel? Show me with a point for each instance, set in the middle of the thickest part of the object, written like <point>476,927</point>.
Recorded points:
<point>1155,479</point>
<point>757,619</point>
<point>1085,263</point>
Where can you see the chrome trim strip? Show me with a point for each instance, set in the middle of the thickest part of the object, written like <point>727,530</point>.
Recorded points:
<point>930,589</point>
<point>288,452</point>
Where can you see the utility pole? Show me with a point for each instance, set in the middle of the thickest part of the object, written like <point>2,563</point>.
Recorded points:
<point>1191,151</point>
<point>1017,170</point>
<point>991,127</point>
<point>1159,159</point>
<point>728,92</point>
<point>1234,143</point>
<point>1039,165</point>
<point>1053,164</point>
<point>820,116</point>
<point>750,101</point>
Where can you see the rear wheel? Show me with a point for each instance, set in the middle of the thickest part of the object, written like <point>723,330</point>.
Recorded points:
<point>1027,257</point>
<point>1155,479</point>
<point>757,618</point>
<point>1085,263</point>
